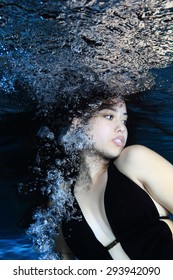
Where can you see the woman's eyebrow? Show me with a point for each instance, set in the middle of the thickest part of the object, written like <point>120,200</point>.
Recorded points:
<point>112,108</point>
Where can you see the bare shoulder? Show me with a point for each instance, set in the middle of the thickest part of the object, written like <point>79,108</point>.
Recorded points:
<point>135,156</point>
<point>134,153</point>
<point>136,148</point>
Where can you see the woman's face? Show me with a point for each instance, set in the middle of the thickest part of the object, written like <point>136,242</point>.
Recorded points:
<point>107,129</point>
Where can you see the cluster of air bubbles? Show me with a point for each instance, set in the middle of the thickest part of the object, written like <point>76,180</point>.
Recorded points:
<point>46,224</point>
<point>43,231</point>
<point>75,139</point>
<point>45,228</point>
<point>45,133</point>
<point>3,49</point>
<point>7,84</point>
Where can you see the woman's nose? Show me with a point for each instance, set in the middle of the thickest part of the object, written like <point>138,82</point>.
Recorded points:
<point>119,127</point>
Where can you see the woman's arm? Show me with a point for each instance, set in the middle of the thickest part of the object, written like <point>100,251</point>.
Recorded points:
<point>150,170</point>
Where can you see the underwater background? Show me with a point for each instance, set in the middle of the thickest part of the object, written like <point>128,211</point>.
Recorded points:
<point>33,40</point>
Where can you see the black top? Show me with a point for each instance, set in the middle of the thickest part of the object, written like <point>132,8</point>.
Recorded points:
<point>134,220</point>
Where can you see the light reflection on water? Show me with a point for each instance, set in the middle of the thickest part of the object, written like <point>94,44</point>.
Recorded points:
<point>17,248</point>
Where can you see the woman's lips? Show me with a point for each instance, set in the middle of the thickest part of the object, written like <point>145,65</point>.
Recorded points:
<point>119,141</point>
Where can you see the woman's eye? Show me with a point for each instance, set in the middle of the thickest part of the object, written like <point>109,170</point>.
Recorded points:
<point>109,117</point>
<point>124,122</point>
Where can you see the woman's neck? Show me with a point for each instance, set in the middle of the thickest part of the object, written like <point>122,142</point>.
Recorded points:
<point>92,170</point>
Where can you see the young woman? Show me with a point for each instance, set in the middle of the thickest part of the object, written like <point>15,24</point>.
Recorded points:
<point>123,196</point>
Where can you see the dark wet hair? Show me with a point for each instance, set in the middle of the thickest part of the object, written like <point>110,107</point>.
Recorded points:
<point>77,94</point>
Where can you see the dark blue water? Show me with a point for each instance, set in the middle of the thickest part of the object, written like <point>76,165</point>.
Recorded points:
<point>17,248</point>
<point>151,115</point>
<point>29,42</point>
<point>15,158</point>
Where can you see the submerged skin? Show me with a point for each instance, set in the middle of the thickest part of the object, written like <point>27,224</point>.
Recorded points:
<point>108,134</point>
